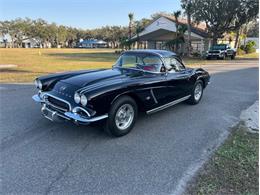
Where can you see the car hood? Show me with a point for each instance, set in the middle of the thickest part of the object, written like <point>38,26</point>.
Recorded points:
<point>101,78</point>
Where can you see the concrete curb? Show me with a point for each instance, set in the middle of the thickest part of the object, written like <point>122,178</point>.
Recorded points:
<point>250,118</point>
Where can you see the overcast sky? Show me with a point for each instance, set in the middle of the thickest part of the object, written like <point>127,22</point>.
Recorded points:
<point>84,13</point>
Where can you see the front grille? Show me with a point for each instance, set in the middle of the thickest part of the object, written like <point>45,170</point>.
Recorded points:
<point>57,104</point>
<point>214,52</point>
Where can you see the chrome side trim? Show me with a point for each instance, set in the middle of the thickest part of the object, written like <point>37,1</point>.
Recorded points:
<point>168,105</point>
<point>77,118</point>
<point>154,98</point>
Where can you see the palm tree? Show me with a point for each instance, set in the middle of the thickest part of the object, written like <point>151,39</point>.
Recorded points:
<point>131,18</point>
<point>138,29</point>
<point>176,17</point>
<point>186,5</point>
<point>179,39</point>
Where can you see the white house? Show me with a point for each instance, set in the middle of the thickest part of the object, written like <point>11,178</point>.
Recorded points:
<point>92,43</point>
<point>31,43</point>
<point>5,40</point>
<point>163,29</point>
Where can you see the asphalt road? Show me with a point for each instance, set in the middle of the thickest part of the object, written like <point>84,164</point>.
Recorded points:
<point>157,157</point>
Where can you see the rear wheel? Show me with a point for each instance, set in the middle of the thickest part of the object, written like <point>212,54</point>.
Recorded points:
<point>121,117</point>
<point>197,93</point>
<point>233,57</point>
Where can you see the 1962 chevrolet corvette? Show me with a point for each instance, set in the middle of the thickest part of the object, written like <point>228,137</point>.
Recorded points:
<point>140,80</point>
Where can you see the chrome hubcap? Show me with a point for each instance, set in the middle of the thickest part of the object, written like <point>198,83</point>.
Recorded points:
<point>198,92</point>
<point>124,116</point>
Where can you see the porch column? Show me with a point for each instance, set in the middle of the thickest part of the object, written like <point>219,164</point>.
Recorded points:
<point>202,46</point>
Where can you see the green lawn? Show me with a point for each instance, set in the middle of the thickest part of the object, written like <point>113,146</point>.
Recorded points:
<point>251,55</point>
<point>233,169</point>
<point>34,62</point>
<point>30,63</point>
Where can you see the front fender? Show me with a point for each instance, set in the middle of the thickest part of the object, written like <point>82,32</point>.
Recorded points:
<point>203,75</point>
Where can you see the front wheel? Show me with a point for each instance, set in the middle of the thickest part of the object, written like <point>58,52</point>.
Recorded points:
<point>121,117</point>
<point>197,93</point>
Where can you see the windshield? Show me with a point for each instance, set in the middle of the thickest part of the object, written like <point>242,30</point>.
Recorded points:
<point>218,47</point>
<point>145,62</point>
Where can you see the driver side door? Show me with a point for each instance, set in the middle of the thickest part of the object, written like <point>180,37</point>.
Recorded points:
<point>179,80</point>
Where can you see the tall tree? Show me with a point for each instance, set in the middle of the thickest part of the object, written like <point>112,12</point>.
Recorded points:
<point>186,5</point>
<point>223,16</point>
<point>177,15</point>
<point>138,28</point>
<point>247,11</point>
<point>178,40</point>
<point>131,19</point>
<point>253,29</point>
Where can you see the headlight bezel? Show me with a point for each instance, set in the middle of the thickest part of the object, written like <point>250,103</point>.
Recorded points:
<point>77,98</point>
<point>80,99</point>
<point>83,100</point>
<point>38,84</point>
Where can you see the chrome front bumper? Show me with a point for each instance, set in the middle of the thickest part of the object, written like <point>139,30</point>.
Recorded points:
<point>215,55</point>
<point>71,115</point>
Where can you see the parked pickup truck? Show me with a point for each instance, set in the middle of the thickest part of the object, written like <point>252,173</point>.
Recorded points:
<point>221,51</point>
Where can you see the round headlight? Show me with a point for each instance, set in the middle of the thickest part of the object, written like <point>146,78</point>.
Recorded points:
<point>35,83</point>
<point>38,83</point>
<point>77,98</point>
<point>83,100</point>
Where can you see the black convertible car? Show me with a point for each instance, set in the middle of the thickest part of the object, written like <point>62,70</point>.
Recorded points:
<point>140,80</point>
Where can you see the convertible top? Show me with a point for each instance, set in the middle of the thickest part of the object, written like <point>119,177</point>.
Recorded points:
<point>161,53</point>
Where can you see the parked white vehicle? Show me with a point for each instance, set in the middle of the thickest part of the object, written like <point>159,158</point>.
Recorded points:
<point>221,51</point>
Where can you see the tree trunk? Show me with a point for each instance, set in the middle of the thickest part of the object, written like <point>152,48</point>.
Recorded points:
<point>237,37</point>
<point>12,46</point>
<point>130,30</point>
<point>215,40</point>
<point>113,44</point>
<point>189,35</point>
<point>245,33</point>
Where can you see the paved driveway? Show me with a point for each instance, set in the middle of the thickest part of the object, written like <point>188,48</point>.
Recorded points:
<point>157,157</point>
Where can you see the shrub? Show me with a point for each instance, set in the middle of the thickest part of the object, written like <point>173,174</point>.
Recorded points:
<point>196,54</point>
<point>250,47</point>
<point>242,47</point>
<point>240,51</point>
